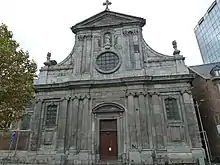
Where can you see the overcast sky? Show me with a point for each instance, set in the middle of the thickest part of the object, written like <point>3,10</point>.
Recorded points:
<point>42,26</point>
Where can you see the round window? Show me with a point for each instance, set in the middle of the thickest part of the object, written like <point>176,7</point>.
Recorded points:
<point>107,62</point>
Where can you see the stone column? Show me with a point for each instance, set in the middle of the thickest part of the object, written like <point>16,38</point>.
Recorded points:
<point>35,126</point>
<point>88,53</point>
<point>131,121</point>
<point>191,119</point>
<point>79,124</point>
<point>131,49</point>
<point>78,59</point>
<point>74,119</point>
<point>136,50</point>
<point>143,121</point>
<point>90,124</point>
<point>137,121</point>
<point>70,121</point>
<point>62,123</point>
<point>83,55</point>
<point>85,124</point>
<point>158,116</point>
<point>150,120</point>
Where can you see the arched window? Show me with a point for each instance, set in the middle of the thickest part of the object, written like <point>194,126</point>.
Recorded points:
<point>172,109</point>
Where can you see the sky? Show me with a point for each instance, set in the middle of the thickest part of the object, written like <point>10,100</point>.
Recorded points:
<point>42,26</point>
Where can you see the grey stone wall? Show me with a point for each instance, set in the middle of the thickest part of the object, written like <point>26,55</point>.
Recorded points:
<point>133,95</point>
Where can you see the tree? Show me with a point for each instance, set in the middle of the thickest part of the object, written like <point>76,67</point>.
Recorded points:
<point>17,73</point>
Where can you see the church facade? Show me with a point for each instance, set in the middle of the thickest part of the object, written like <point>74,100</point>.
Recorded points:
<point>114,99</point>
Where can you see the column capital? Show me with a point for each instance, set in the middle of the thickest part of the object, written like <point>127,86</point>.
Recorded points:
<point>152,93</point>
<point>188,91</point>
<point>81,96</point>
<point>39,100</point>
<point>65,98</point>
<point>135,93</point>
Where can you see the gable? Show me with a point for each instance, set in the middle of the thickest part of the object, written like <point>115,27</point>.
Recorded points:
<point>107,18</point>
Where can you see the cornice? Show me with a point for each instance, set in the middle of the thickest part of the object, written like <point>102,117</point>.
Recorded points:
<point>115,82</point>
<point>56,68</point>
<point>171,58</point>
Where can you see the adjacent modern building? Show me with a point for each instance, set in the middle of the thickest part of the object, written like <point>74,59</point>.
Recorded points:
<point>112,100</point>
<point>206,92</point>
<point>207,33</point>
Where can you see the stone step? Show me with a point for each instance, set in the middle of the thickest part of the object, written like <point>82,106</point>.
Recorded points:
<point>109,163</point>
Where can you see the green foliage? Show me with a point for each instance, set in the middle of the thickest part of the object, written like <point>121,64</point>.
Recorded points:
<point>17,72</point>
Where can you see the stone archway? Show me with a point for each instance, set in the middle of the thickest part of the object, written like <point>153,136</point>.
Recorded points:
<point>109,131</point>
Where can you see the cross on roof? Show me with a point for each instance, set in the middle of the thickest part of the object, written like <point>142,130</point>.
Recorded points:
<point>107,3</point>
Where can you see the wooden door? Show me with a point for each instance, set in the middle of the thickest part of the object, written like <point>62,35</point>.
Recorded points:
<point>108,140</point>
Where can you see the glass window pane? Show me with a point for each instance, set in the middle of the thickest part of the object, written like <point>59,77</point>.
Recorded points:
<point>172,109</point>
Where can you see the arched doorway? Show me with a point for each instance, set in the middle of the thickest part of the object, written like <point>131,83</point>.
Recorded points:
<point>109,130</point>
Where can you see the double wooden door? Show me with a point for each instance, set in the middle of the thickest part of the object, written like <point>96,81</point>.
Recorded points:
<point>108,140</point>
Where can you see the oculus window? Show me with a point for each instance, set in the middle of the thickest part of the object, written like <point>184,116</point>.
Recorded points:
<point>107,62</point>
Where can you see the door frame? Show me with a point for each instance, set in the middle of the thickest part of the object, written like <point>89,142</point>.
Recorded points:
<point>101,132</point>
<point>120,132</point>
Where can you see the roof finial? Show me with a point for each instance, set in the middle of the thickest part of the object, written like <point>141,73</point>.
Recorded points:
<point>176,51</point>
<point>49,62</point>
<point>107,3</point>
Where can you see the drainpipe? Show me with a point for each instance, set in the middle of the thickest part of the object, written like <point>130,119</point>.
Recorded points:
<point>203,134</point>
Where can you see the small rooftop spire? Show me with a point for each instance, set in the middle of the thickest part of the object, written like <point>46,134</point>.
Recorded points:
<point>107,3</point>
<point>176,51</point>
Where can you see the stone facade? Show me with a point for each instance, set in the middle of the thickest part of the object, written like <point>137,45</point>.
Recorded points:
<point>112,74</point>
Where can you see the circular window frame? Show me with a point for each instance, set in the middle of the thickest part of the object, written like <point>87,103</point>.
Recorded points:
<point>109,71</point>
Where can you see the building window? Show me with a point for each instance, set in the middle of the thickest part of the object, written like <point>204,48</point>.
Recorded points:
<point>51,115</point>
<point>107,61</point>
<point>172,109</point>
<point>25,122</point>
<point>217,73</point>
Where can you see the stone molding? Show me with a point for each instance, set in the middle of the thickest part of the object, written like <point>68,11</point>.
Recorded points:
<point>111,107</point>
<point>85,37</point>
<point>81,96</point>
<point>186,91</point>
<point>135,93</point>
<point>130,32</point>
<point>115,82</point>
<point>65,98</point>
<point>151,93</point>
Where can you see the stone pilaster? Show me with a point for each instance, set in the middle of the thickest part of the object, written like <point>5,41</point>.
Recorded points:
<point>137,120</point>
<point>143,111</point>
<point>62,123</point>
<point>35,126</point>
<point>191,119</point>
<point>158,116</point>
<point>88,53</point>
<point>70,121</point>
<point>85,124</point>
<point>79,124</point>
<point>86,46</point>
<point>131,121</point>
<point>74,125</point>
<point>133,48</point>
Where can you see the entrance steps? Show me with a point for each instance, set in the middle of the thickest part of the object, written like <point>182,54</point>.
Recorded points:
<point>109,162</point>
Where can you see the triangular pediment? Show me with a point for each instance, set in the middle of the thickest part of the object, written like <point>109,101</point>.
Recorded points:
<point>107,19</point>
